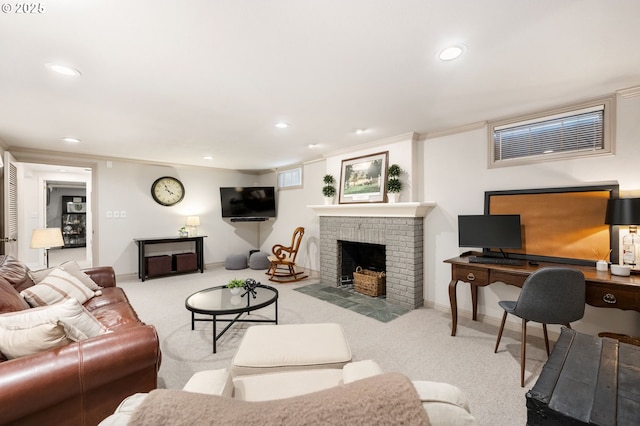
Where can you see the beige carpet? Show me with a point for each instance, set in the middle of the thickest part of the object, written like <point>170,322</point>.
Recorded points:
<point>417,344</point>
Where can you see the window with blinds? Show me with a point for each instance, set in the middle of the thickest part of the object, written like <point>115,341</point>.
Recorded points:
<point>291,178</point>
<point>578,132</point>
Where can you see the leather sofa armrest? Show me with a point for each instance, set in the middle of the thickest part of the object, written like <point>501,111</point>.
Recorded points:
<point>90,375</point>
<point>104,276</point>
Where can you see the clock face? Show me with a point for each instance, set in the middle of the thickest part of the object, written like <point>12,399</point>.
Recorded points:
<point>167,191</point>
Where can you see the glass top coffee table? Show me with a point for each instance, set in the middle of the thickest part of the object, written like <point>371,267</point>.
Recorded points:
<point>216,301</point>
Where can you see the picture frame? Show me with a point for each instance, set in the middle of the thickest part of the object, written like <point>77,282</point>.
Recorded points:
<point>364,179</point>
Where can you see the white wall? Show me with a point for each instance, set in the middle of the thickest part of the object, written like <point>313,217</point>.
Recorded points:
<point>456,177</point>
<point>293,211</point>
<point>127,187</point>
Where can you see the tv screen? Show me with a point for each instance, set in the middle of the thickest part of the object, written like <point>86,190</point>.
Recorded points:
<point>248,202</point>
<point>490,231</point>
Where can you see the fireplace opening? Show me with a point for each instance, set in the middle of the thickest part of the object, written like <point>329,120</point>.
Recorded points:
<point>371,257</point>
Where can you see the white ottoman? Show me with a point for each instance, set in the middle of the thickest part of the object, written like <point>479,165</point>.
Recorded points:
<point>274,348</point>
<point>211,382</point>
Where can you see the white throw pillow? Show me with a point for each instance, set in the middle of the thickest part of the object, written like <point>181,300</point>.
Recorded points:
<point>78,323</point>
<point>18,340</point>
<point>38,329</point>
<point>56,287</point>
<point>72,268</point>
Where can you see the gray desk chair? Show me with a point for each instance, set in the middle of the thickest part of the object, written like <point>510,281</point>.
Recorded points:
<point>548,296</point>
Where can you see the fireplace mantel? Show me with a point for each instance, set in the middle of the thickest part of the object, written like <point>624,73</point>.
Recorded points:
<point>375,209</point>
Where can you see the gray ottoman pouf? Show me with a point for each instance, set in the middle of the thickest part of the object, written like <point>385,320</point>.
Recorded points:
<point>236,261</point>
<point>259,260</point>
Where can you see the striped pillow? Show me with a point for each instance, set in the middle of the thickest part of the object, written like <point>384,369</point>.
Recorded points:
<point>57,287</point>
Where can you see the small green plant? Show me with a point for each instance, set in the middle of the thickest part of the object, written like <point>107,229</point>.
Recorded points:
<point>235,283</point>
<point>393,184</point>
<point>328,189</point>
<point>394,171</point>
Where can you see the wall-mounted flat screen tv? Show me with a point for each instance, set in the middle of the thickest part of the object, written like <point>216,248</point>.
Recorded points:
<point>248,202</point>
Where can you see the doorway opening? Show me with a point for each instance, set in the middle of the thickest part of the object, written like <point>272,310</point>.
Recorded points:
<point>66,208</point>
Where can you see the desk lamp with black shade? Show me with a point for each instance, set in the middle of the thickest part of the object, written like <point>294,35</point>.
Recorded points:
<point>626,211</point>
<point>46,238</point>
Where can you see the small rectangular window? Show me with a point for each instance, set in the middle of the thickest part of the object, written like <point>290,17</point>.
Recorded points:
<point>576,132</point>
<point>290,178</point>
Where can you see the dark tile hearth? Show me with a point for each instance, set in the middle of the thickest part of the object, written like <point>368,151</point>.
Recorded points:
<point>346,297</point>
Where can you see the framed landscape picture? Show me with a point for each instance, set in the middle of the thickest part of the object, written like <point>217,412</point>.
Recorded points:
<point>363,179</point>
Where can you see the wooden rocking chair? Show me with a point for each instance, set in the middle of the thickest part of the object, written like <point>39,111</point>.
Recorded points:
<point>283,260</point>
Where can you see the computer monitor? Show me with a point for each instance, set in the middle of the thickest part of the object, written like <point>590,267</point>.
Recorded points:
<point>490,231</point>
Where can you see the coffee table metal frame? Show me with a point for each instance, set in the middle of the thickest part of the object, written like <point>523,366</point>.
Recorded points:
<point>238,311</point>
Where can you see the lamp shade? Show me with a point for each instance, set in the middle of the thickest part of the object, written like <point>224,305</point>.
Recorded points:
<point>46,238</point>
<point>623,211</point>
<point>193,220</point>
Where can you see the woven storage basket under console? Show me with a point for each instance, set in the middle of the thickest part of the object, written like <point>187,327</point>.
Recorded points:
<point>369,282</point>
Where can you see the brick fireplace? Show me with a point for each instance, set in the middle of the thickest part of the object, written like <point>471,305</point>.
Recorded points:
<point>398,227</point>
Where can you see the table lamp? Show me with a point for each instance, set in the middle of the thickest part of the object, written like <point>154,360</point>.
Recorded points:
<point>626,211</point>
<point>46,238</point>
<point>193,222</point>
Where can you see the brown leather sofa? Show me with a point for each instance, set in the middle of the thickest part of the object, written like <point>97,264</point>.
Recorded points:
<point>83,382</point>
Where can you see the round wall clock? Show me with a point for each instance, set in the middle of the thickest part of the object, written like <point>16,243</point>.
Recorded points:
<point>167,191</point>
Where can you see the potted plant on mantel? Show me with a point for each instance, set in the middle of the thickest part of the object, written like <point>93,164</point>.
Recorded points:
<point>394,185</point>
<point>235,285</point>
<point>328,190</point>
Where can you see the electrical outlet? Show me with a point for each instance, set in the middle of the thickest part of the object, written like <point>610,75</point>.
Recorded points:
<point>109,214</point>
<point>123,214</point>
<point>116,214</point>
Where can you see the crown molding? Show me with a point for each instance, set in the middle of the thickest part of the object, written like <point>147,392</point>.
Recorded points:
<point>413,136</point>
<point>630,92</point>
<point>27,155</point>
<point>454,130</point>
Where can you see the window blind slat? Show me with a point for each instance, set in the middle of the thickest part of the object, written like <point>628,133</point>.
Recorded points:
<point>584,131</point>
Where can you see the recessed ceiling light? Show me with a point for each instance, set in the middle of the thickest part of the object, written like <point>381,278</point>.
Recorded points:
<point>360,131</point>
<point>207,157</point>
<point>313,145</point>
<point>63,69</point>
<point>281,125</point>
<point>71,140</point>
<point>452,52</point>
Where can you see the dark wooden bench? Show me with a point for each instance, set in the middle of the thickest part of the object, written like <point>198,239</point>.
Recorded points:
<point>587,380</point>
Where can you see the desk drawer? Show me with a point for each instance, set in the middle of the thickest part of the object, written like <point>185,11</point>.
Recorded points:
<point>511,278</point>
<point>469,274</point>
<point>611,296</point>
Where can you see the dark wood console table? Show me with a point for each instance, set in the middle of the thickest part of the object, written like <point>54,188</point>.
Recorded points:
<point>144,242</point>
<point>603,289</point>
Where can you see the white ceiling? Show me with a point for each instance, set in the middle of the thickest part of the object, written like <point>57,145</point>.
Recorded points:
<point>172,81</point>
